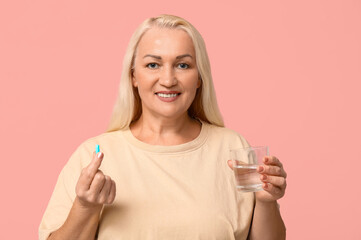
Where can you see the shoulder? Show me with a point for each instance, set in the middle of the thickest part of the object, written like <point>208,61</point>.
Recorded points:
<point>83,153</point>
<point>223,131</point>
<point>226,134</point>
<point>101,139</point>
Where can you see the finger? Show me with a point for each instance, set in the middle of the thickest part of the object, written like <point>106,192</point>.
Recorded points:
<point>87,173</point>
<point>112,194</point>
<point>104,192</point>
<point>272,160</point>
<point>97,183</point>
<point>230,164</point>
<point>95,163</point>
<point>271,170</point>
<point>277,181</point>
<point>275,191</point>
<point>86,177</point>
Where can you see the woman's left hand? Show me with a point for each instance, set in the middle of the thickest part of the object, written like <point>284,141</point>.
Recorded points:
<point>273,177</point>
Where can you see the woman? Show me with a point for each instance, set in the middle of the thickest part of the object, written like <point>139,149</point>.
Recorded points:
<point>162,172</point>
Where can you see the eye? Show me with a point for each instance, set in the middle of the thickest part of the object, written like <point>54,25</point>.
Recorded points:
<point>152,65</point>
<point>183,65</point>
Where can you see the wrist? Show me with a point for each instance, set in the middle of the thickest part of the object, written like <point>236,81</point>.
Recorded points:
<point>267,204</point>
<point>86,207</point>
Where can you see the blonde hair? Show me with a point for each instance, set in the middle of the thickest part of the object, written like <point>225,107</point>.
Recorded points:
<point>128,107</point>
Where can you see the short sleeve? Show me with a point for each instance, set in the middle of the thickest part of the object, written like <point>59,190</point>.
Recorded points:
<point>244,142</point>
<point>64,194</point>
<point>238,141</point>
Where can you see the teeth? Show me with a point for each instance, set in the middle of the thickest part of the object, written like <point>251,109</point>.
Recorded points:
<point>167,95</point>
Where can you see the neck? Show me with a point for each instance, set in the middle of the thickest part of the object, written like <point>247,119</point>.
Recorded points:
<point>165,131</point>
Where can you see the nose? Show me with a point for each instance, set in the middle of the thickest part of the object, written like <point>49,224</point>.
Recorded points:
<point>168,77</point>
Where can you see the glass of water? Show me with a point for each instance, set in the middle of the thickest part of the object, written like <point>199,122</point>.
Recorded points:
<point>245,162</point>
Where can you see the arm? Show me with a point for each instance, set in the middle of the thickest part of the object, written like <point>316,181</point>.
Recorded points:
<point>81,223</point>
<point>93,190</point>
<point>267,222</point>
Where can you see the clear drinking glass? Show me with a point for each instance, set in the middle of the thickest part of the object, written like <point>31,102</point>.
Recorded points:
<point>245,162</point>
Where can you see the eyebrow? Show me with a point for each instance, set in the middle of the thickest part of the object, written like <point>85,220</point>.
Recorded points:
<point>159,57</point>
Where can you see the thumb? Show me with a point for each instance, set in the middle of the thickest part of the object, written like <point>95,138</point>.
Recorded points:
<point>230,164</point>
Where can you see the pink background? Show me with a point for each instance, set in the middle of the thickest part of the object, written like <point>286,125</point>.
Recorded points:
<point>295,66</point>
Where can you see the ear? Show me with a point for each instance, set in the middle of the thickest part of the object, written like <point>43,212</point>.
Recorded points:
<point>199,83</point>
<point>134,81</point>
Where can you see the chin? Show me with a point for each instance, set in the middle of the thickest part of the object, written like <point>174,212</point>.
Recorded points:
<point>171,114</point>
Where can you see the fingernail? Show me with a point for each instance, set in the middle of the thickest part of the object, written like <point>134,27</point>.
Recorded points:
<point>260,169</point>
<point>100,154</point>
<point>263,177</point>
<point>266,159</point>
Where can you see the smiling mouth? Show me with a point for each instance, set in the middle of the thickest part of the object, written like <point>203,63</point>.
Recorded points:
<point>167,95</point>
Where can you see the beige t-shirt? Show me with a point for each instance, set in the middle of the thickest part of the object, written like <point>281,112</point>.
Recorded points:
<point>184,191</point>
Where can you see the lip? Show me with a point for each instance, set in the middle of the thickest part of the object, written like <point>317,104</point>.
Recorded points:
<point>168,99</point>
<point>168,92</point>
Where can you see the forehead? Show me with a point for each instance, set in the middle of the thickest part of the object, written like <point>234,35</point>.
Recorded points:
<point>165,42</point>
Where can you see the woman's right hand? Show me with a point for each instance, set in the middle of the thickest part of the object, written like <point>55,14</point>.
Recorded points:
<point>94,188</point>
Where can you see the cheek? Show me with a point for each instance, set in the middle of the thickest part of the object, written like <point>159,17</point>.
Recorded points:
<point>143,81</point>
<point>193,83</point>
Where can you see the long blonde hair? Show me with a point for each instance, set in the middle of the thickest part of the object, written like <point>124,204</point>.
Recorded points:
<point>128,107</point>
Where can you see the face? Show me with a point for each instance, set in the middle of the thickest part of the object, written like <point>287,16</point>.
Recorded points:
<point>165,72</point>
